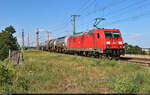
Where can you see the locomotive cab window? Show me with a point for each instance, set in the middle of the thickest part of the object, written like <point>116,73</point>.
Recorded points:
<point>108,34</point>
<point>98,36</point>
<point>116,34</point>
<point>111,34</point>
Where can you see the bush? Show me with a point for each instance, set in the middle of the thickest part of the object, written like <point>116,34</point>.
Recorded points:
<point>129,83</point>
<point>10,81</point>
<point>6,77</point>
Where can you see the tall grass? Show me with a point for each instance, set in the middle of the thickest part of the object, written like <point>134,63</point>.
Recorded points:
<point>125,78</point>
<point>10,81</point>
<point>44,72</point>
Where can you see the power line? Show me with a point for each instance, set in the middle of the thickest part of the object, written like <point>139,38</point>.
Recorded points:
<point>104,8</point>
<point>132,5</point>
<point>93,12</point>
<point>61,24</point>
<point>83,8</point>
<point>61,27</point>
<point>86,6</point>
<point>122,10</point>
<point>83,5</point>
<point>128,18</point>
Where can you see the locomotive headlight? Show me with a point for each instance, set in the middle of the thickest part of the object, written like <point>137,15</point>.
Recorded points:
<point>120,43</point>
<point>107,42</point>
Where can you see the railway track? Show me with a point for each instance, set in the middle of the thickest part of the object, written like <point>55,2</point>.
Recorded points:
<point>142,61</point>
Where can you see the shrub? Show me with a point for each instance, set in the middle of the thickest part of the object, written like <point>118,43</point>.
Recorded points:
<point>6,77</point>
<point>10,81</point>
<point>128,83</point>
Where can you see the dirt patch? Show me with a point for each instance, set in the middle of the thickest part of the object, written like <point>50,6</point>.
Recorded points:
<point>69,84</point>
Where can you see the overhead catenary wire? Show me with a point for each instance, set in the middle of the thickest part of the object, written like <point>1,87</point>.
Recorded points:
<point>127,9</point>
<point>138,4</point>
<point>61,29</point>
<point>83,5</point>
<point>87,4</point>
<point>85,16</point>
<point>128,18</point>
<point>61,24</point>
<point>104,8</point>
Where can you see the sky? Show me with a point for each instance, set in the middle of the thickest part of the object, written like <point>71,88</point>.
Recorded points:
<point>132,17</point>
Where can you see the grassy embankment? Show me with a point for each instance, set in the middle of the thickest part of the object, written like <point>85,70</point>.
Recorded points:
<point>44,72</point>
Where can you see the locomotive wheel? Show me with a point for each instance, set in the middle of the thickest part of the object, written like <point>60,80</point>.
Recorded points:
<point>97,55</point>
<point>78,53</point>
<point>81,53</point>
<point>86,53</point>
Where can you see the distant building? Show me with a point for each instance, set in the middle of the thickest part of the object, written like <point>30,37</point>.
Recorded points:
<point>147,50</point>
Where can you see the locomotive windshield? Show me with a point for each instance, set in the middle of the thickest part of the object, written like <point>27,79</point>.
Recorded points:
<point>112,34</point>
<point>116,34</point>
<point>108,34</point>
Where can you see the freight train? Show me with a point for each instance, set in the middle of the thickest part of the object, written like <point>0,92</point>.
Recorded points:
<point>96,42</point>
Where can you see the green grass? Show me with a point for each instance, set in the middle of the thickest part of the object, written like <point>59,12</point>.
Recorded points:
<point>44,72</point>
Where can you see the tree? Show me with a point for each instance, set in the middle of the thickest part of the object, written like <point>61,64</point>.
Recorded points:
<point>7,41</point>
<point>126,46</point>
<point>130,49</point>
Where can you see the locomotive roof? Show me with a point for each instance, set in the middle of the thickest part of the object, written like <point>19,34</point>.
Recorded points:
<point>83,33</point>
<point>90,31</point>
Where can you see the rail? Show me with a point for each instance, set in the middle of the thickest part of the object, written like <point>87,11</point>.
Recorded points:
<point>142,61</point>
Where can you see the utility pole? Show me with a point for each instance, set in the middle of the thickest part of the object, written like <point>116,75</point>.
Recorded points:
<point>37,38</point>
<point>28,41</point>
<point>74,23</point>
<point>48,35</point>
<point>22,39</point>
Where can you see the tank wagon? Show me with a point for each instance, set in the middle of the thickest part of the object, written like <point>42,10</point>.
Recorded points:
<point>96,42</point>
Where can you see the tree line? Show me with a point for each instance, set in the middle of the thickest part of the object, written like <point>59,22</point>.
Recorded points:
<point>130,49</point>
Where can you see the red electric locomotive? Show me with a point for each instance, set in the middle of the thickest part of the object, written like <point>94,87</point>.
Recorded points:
<point>99,41</point>
<point>96,42</point>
